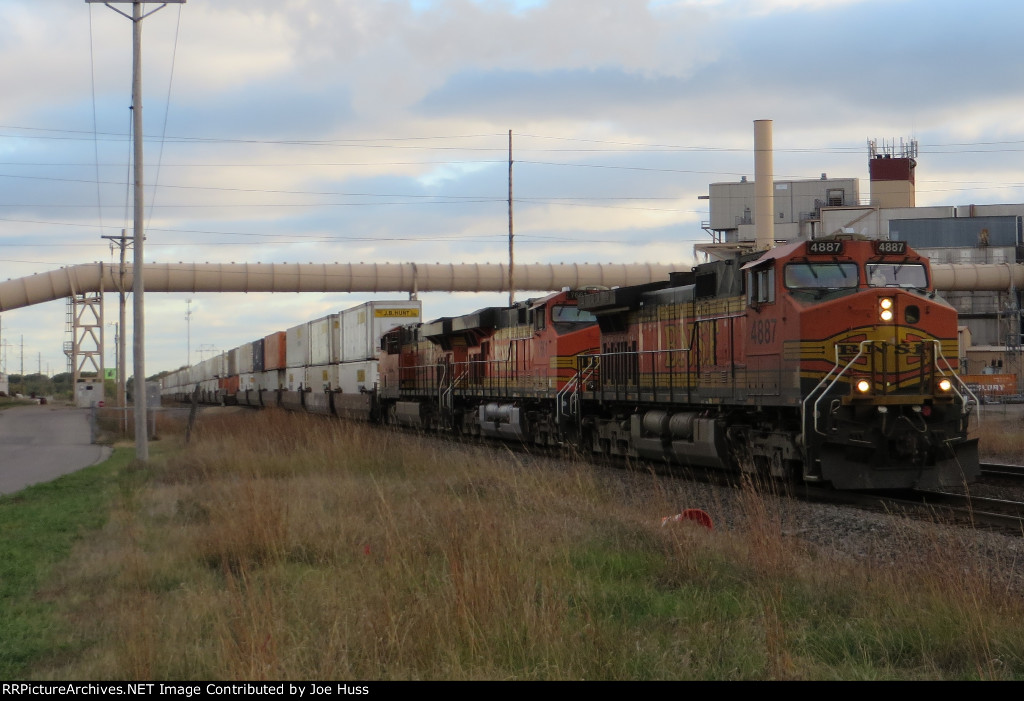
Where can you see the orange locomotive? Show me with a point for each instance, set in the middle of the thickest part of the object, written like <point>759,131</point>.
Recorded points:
<point>828,361</point>
<point>498,372</point>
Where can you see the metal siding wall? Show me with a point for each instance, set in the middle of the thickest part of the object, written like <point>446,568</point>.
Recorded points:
<point>956,233</point>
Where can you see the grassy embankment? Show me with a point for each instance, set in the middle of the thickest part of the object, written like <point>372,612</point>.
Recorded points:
<point>290,547</point>
<point>8,402</point>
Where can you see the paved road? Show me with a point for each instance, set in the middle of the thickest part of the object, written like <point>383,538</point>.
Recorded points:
<point>41,443</point>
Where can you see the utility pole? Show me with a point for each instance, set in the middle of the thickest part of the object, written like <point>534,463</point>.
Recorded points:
<point>138,289</point>
<point>188,332</point>
<point>123,242</point>
<point>511,257</point>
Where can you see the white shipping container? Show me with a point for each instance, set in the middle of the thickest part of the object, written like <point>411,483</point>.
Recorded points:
<point>246,382</point>
<point>322,377</point>
<point>243,354</point>
<point>294,378</point>
<point>297,346</point>
<point>362,326</point>
<point>232,362</point>
<point>357,376</point>
<point>204,371</point>
<point>220,365</point>
<point>325,340</point>
<point>269,380</point>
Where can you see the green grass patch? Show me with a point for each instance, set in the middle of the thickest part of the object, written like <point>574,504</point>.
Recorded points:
<point>38,528</point>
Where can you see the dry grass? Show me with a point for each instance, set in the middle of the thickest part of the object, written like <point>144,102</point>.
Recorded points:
<point>999,432</point>
<point>280,546</point>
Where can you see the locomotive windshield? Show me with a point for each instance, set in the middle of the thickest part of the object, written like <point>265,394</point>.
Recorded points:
<point>824,275</point>
<point>571,314</point>
<point>897,275</point>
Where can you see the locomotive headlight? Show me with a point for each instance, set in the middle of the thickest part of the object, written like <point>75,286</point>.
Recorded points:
<point>945,385</point>
<point>885,311</point>
<point>863,386</point>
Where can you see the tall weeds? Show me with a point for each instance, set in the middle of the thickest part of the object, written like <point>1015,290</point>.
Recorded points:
<point>280,546</point>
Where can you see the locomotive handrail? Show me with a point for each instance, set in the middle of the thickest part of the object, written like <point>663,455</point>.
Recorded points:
<point>572,388</point>
<point>636,371</point>
<point>442,374</point>
<point>958,380</point>
<point>828,389</point>
<point>860,352</point>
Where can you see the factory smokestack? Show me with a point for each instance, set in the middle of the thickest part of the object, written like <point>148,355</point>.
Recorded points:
<point>764,186</point>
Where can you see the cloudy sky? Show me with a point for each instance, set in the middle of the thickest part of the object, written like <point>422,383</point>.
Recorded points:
<point>377,130</point>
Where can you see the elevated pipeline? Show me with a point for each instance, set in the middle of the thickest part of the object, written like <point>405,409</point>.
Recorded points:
<point>401,277</point>
<point>325,277</point>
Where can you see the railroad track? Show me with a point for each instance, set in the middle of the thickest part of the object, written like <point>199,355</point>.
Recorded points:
<point>1000,471</point>
<point>965,509</point>
<point>982,511</point>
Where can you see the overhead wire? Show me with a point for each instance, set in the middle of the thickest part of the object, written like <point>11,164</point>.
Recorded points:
<point>167,110</point>
<point>418,142</point>
<point>95,126</point>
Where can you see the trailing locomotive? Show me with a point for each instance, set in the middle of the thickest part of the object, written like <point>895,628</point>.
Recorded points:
<point>827,361</point>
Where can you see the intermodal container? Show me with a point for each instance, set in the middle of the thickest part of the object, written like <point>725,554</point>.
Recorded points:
<point>274,347</point>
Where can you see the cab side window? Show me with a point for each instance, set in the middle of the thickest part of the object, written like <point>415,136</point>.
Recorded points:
<point>761,286</point>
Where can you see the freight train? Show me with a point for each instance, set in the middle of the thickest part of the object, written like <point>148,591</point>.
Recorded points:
<point>828,361</point>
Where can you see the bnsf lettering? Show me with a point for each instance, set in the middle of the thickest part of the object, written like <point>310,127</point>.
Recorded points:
<point>763,331</point>
<point>909,348</point>
<point>851,349</point>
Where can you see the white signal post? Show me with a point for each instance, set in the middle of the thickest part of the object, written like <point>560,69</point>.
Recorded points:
<point>138,288</point>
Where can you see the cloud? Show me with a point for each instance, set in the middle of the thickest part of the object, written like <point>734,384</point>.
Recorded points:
<point>372,131</point>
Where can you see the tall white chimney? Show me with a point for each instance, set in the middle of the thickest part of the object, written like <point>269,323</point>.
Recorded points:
<point>764,186</point>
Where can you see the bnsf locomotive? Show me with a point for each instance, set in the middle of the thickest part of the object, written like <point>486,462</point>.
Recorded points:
<point>828,361</point>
